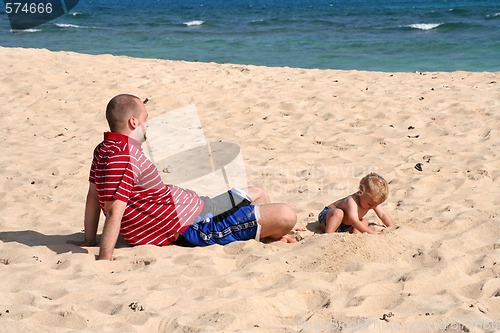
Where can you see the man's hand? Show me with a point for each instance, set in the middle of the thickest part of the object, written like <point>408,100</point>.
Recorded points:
<point>91,220</point>
<point>114,213</point>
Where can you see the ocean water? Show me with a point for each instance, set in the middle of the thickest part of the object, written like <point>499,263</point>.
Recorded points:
<point>377,35</point>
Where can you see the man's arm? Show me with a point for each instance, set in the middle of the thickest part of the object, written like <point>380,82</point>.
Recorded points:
<point>383,216</point>
<point>114,213</point>
<point>91,219</point>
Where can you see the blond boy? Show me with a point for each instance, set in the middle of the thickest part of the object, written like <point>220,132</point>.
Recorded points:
<point>347,214</point>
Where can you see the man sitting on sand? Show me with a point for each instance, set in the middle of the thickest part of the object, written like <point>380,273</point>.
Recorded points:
<point>127,187</point>
<point>347,214</point>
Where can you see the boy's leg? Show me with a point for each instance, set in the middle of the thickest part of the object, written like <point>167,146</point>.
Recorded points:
<point>276,220</point>
<point>334,218</point>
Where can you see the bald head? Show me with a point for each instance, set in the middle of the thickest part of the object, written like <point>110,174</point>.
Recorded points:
<point>120,108</point>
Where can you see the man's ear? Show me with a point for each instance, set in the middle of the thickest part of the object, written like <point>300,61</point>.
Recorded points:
<point>133,123</point>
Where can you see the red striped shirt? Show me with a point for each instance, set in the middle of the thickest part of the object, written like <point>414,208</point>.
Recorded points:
<point>155,212</point>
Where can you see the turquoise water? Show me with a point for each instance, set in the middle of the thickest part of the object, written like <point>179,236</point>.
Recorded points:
<point>396,35</point>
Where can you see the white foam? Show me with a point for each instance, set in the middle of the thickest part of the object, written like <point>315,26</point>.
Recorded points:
<point>65,25</point>
<point>424,26</point>
<point>26,30</point>
<point>194,23</point>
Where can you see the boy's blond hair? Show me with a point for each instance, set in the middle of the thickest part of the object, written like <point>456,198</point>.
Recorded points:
<point>375,186</point>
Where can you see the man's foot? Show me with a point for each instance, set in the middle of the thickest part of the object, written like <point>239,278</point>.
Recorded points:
<point>288,240</point>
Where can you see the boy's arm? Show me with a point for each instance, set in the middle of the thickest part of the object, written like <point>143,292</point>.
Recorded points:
<point>114,213</point>
<point>91,217</point>
<point>383,216</point>
<point>352,215</point>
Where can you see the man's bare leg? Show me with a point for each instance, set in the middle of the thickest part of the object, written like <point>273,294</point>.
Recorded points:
<point>258,195</point>
<point>277,220</point>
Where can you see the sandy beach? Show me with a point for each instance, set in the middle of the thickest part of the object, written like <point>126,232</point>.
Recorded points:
<point>307,136</point>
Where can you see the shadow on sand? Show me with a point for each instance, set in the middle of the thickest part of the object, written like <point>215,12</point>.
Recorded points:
<point>57,243</point>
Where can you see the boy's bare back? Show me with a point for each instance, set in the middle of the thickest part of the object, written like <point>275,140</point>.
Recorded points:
<point>350,202</point>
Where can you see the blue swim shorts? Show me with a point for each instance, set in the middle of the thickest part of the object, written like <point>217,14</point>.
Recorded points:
<point>225,219</point>
<point>322,221</point>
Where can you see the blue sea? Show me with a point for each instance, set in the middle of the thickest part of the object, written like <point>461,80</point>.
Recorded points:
<point>375,35</point>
